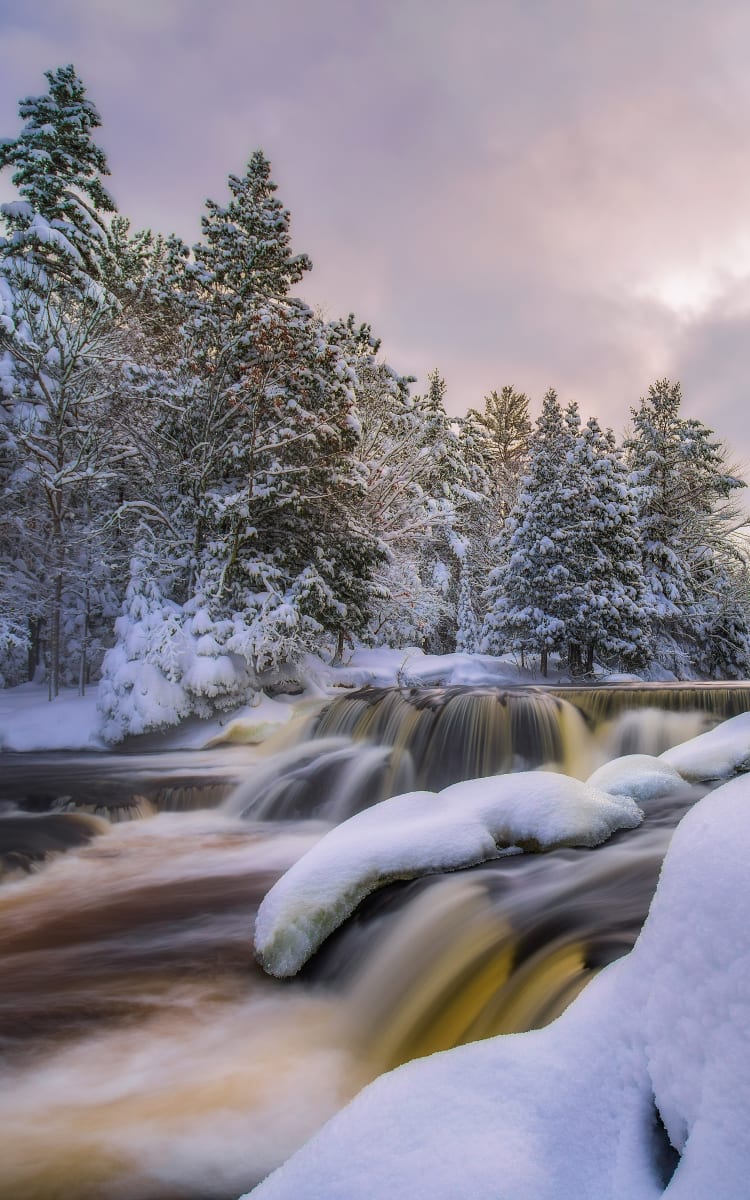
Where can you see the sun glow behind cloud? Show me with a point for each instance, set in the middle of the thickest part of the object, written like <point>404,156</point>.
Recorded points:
<point>694,289</point>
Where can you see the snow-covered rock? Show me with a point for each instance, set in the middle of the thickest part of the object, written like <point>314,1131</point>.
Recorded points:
<point>421,832</point>
<point>640,1090</point>
<point>718,754</point>
<point>640,776</point>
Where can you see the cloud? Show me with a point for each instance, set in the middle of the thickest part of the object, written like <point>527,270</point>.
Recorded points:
<point>543,193</point>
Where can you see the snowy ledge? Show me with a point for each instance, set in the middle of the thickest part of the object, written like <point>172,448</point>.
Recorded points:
<point>422,832</point>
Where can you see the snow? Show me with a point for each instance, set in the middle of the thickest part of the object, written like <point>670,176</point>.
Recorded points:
<point>29,722</point>
<point>421,832</point>
<point>387,667</point>
<point>640,776</point>
<point>721,752</point>
<point>571,1112</point>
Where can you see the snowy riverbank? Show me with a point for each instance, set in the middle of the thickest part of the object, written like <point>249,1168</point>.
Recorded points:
<point>30,722</point>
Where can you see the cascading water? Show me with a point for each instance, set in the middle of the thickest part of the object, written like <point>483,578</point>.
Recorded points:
<point>145,1056</point>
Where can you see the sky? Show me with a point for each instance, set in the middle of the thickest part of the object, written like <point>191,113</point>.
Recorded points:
<point>548,193</point>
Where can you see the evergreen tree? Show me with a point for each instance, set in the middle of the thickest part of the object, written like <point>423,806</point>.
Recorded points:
<point>500,441</point>
<point>63,371</point>
<point>58,170</point>
<point>686,515</point>
<point>722,638</point>
<point>533,599</point>
<point>494,446</point>
<point>447,482</point>
<point>256,409</point>
<point>467,636</point>
<point>615,624</point>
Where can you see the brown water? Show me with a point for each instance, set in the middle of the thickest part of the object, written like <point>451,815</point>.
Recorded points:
<point>144,1054</point>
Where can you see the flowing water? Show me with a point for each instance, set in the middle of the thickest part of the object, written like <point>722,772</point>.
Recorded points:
<point>144,1054</point>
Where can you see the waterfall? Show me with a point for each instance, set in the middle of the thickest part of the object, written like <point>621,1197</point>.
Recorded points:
<point>460,733</point>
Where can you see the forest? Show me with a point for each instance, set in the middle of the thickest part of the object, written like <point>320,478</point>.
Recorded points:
<point>204,480</point>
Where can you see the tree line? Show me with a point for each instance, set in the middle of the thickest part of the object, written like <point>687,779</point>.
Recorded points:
<point>203,480</point>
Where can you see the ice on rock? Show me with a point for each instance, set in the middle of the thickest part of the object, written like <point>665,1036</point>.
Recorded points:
<point>721,752</point>
<point>640,776</point>
<point>660,1041</point>
<point>422,832</point>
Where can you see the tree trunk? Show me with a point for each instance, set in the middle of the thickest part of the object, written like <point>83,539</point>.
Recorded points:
<point>56,616</point>
<point>54,641</point>
<point>338,657</point>
<point>35,643</point>
<point>590,658</point>
<point>83,665</point>
<point>544,662</point>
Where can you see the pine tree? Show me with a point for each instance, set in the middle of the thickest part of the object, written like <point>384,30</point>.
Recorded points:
<point>722,638</point>
<point>614,615</point>
<point>467,636</point>
<point>533,598</point>
<point>447,482</point>
<point>256,409</point>
<point>58,170</point>
<point>494,446</point>
<point>142,676</point>
<point>686,515</point>
<point>500,435</point>
<point>408,457</point>
<point>63,372</point>
<point>263,265</point>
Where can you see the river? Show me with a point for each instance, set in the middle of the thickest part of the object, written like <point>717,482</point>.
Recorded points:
<point>145,1055</point>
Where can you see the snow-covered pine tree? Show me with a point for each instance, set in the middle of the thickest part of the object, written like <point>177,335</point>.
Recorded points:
<point>141,686</point>
<point>287,482</point>
<point>501,433</point>
<point>533,598</point>
<point>61,366</point>
<point>58,169</point>
<point>494,447</point>
<point>468,632</point>
<point>686,517</point>
<point>446,480</point>
<point>615,619</point>
<point>258,415</point>
<point>404,495</point>
<point>722,637</point>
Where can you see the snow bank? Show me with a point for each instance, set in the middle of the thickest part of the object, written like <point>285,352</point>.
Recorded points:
<point>640,776</point>
<point>410,666</point>
<point>30,722</point>
<point>575,1111</point>
<point>721,752</point>
<point>421,832</point>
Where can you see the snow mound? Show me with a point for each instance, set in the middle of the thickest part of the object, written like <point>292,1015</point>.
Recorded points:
<point>640,776</point>
<point>721,752</point>
<point>640,1090</point>
<point>422,832</point>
